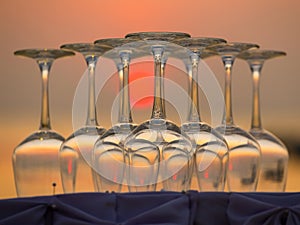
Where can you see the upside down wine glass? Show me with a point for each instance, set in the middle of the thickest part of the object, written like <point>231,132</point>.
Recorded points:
<point>35,160</point>
<point>108,153</point>
<point>210,150</point>
<point>244,152</point>
<point>75,153</point>
<point>156,148</point>
<point>274,164</point>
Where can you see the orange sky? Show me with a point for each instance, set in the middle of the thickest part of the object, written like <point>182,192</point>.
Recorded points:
<point>50,23</point>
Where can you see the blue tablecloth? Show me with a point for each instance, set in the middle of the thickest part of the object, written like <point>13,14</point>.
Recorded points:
<point>153,208</point>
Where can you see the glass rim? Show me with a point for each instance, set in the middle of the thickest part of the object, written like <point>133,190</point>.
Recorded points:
<point>260,54</point>
<point>36,53</point>
<point>86,48</point>
<point>232,47</point>
<point>159,35</point>
<point>114,42</point>
<point>199,42</point>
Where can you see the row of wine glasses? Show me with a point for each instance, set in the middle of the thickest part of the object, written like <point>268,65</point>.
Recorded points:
<point>156,154</point>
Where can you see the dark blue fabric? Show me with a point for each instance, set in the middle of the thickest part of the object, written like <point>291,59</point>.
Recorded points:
<point>84,209</point>
<point>211,208</point>
<point>154,208</point>
<point>264,208</point>
<point>25,211</point>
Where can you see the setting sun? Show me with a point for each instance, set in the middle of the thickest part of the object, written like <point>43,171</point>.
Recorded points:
<point>141,81</point>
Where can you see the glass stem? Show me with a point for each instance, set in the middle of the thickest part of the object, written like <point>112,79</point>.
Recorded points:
<point>162,71</point>
<point>194,113</point>
<point>91,114</point>
<point>228,63</point>
<point>256,121</point>
<point>124,107</point>
<point>45,66</point>
<point>158,110</point>
<point>189,69</point>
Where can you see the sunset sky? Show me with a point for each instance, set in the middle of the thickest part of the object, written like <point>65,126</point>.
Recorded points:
<point>51,23</point>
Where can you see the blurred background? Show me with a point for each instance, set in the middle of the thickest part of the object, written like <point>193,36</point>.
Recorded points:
<point>51,23</point>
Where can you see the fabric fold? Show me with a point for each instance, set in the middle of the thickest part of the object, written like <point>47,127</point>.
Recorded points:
<point>154,208</point>
<point>84,209</point>
<point>159,208</point>
<point>32,216</point>
<point>264,209</point>
<point>30,210</point>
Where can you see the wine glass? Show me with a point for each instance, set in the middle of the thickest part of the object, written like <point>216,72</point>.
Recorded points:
<point>76,151</point>
<point>144,147</point>
<point>35,160</point>
<point>210,150</point>
<point>108,156</point>
<point>244,152</point>
<point>275,156</point>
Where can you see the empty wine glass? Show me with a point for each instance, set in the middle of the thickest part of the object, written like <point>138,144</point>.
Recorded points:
<point>35,160</point>
<point>76,151</point>
<point>274,164</point>
<point>108,154</point>
<point>210,150</point>
<point>244,152</point>
<point>144,147</point>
